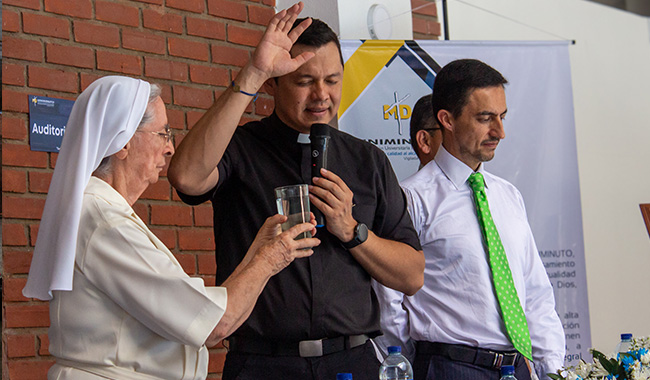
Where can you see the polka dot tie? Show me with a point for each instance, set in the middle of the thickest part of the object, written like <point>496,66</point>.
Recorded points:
<point>511,311</point>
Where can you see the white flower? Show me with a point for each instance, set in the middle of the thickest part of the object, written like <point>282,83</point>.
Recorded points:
<point>645,359</point>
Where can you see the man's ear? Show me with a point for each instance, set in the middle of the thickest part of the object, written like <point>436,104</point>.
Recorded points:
<point>269,86</point>
<point>422,139</point>
<point>446,119</point>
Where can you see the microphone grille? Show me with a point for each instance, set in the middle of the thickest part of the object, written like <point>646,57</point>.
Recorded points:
<point>320,129</point>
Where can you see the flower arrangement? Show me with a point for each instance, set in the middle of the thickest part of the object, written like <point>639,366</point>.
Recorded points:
<point>631,365</point>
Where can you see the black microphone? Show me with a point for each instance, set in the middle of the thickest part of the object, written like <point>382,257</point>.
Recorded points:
<point>319,137</point>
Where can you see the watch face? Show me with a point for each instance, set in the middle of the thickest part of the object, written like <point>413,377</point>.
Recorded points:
<point>362,233</point>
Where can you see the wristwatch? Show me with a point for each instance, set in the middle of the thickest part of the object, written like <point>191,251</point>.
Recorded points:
<point>360,236</point>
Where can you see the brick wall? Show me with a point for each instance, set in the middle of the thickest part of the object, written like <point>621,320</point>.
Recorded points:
<point>56,48</point>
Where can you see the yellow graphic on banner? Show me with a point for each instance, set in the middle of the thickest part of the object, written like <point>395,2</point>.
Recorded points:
<point>362,67</point>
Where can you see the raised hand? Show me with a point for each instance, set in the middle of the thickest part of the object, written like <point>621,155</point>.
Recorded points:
<point>280,249</point>
<point>271,57</point>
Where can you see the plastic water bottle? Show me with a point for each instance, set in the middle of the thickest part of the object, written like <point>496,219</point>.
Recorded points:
<point>343,376</point>
<point>508,372</point>
<point>395,366</point>
<point>624,345</point>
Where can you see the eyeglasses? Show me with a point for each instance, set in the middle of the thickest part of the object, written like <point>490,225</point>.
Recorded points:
<point>430,129</point>
<point>167,134</point>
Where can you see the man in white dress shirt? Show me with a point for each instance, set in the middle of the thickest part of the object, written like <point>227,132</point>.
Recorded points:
<point>455,318</point>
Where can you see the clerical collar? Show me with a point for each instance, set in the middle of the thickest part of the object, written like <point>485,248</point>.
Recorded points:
<point>303,138</point>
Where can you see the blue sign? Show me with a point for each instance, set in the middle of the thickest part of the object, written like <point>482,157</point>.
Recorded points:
<point>47,121</point>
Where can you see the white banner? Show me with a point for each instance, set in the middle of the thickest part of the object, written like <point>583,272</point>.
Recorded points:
<point>384,79</point>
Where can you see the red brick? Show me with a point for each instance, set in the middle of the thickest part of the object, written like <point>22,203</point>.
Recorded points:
<point>70,56</point>
<point>424,7</point>
<point>13,181</point>
<point>87,79</point>
<point>260,15</point>
<point>234,10</point>
<point>270,3</point>
<point>53,79</point>
<point>197,239</point>
<point>192,97</point>
<point>209,75</point>
<point>176,119</point>
<point>39,182</point>
<point>121,63</point>
<point>93,34</point>
<point>16,262</point>
<point>13,74</point>
<point>196,6</point>
<point>166,93</point>
<point>206,28</point>
<point>180,47</point>
<point>10,21</point>
<point>13,289</point>
<point>44,345</point>
<point>29,369</point>
<point>23,49</point>
<point>21,346</point>
<point>167,22</point>
<point>244,36</point>
<point>425,26</point>
<point>13,233</point>
<point>117,13</point>
<point>22,208</point>
<point>14,128</point>
<point>73,8</point>
<point>207,264</point>
<point>171,215</point>
<point>42,25</point>
<point>264,106</point>
<point>188,262</point>
<point>157,2</point>
<point>143,41</point>
<point>31,4</point>
<point>209,281</point>
<point>14,101</point>
<point>33,233</point>
<point>21,155</point>
<point>142,210</point>
<point>158,191</point>
<point>166,235</point>
<point>192,117</point>
<point>228,55</point>
<point>165,69</point>
<point>203,216</point>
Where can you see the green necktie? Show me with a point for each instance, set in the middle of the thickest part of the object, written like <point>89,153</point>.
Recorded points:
<point>512,313</point>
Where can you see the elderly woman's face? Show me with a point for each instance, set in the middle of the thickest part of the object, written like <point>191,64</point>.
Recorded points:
<point>151,148</point>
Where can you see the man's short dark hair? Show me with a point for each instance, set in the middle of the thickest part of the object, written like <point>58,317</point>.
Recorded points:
<point>318,34</point>
<point>421,118</point>
<point>455,82</point>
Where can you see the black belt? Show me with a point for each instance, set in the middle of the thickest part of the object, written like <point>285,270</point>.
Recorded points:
<point>305,348</point>
<point>466,354</point>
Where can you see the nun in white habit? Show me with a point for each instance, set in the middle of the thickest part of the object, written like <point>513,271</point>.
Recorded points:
<point>121,306</point>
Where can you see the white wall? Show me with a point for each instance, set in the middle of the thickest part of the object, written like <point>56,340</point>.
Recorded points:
<point>610,65</point>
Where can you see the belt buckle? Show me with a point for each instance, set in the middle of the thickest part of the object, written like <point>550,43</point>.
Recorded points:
<point>310,348</point>
<point>503,359</point>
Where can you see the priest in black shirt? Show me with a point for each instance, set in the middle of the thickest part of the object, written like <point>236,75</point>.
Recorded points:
<point>315,318</point>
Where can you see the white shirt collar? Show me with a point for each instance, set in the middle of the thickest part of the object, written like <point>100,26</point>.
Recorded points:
<point>454,169</point>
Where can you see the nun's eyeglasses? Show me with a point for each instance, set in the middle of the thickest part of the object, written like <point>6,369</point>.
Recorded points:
<point>167,134</point>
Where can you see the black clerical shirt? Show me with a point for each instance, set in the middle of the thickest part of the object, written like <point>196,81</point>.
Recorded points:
<point>327,294</point>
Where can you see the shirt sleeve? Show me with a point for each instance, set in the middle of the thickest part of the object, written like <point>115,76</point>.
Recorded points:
<point>394,322</point>
<point>394,221</point>
<point>546,331</point>
<point>149,285</point>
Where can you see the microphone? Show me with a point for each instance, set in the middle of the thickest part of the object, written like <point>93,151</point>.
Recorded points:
<point>319,137</point>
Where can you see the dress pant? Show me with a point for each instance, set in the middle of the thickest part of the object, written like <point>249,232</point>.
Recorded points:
<point>437,367</point>
<point>360,361</point>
